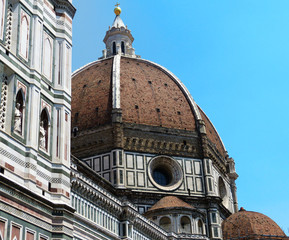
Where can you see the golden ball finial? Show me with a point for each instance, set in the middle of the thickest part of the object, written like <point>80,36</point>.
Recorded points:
<point>117,10</point>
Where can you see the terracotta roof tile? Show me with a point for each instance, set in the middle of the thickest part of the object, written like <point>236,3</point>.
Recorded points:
<point>245,224</point>
<point>150,96</point>
<point>170,202</point>
<point>91,96</point>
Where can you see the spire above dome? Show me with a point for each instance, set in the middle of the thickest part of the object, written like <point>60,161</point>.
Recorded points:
<point>118,23</point>
<point>118,38</point>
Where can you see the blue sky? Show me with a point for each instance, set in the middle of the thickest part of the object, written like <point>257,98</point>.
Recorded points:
<point>233,56</point>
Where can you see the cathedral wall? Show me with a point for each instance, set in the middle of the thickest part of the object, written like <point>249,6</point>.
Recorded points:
<point>36,37</point>
<point>102,214</point>
<point>35,119</point>
<point>29,216</point>
<point>130,170</point>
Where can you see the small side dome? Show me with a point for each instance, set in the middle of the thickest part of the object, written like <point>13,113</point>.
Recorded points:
<point>170,202</point>
<point>251,225</point>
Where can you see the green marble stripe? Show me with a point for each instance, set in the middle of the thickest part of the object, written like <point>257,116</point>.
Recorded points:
<point>41,164</point>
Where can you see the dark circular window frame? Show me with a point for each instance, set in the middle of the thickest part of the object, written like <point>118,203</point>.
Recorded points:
<point>171,167</point>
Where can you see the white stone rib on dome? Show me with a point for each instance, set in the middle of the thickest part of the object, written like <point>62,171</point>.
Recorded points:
<point>214,129</point>
<point>116,82</point>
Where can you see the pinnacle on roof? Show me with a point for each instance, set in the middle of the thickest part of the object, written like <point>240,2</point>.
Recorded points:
<point>118,23</point>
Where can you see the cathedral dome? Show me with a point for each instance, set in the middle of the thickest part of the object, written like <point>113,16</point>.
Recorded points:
<point>123,88</point>
<point>251,225</point>
<point>147,94</point>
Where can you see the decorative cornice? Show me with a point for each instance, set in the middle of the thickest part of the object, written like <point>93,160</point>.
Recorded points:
<point>94,193</point>
<point>65,5</point>
<point>115,31</point>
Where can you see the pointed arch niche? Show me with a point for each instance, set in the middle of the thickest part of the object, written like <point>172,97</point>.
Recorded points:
<point>24,35</point>
<point>18,113</point>
<point>19,109</point>
<point>44,126</point>
<point>47,56</point>
<point>2,17</point>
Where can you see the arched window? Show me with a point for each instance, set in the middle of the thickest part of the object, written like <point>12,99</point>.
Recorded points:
<point>222,188</point>
<point>165,223</point>
<point>186,226</point>
<point>2,17</point>
<point>114,48</point>
<point>18,113</point>
<point>223,192</point>
<point>47,57</point>
<point>122,47</point>
<point>43,130</point>
<point>24,36</point>
<point>200,227</point>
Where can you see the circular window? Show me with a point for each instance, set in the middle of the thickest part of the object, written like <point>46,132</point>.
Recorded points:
<point>165,173</point>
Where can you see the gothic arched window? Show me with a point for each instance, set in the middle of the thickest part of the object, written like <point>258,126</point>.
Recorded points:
<point>114,48</point>
<point>2,17</point>
<point>47,56</point>
<point>165,223</point>
<point>18,113</point>
<point>24,36</point>
<point>200,227</point>
<point>43,130</point>
<point>122,47</point>
<point>186,226</point>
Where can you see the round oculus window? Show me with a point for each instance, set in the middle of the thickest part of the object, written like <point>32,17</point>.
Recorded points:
<point>165,173</point>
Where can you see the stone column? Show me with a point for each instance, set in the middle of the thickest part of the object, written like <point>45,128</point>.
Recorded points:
<point>233,176</point>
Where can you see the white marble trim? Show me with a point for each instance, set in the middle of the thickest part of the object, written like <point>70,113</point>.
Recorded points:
<point>116,82</point>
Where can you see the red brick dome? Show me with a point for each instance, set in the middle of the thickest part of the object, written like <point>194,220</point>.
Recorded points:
<point>146,93</point>
<point>251,225</point>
